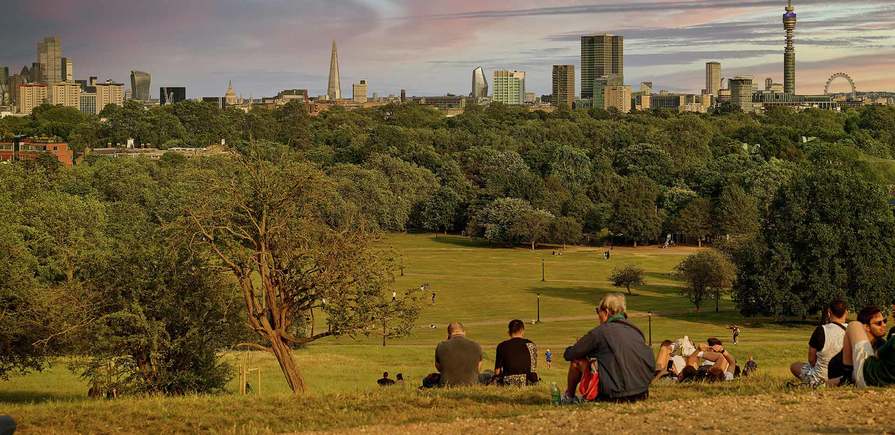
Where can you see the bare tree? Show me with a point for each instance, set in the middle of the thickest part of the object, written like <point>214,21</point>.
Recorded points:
<point>275,224</point>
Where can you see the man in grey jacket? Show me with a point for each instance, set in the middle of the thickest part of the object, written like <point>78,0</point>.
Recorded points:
<point>625,363</point>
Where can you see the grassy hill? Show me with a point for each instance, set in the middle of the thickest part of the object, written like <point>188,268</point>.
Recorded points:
<point>483,287</point>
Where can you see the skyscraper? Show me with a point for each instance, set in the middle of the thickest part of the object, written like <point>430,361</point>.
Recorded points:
<point>712,78</point>
<point>140,85</point>
<point>334,90</point>
<point>479,84</point>
<point>509,87</point>
<point>4,84</point>
<point>49,56</point>
<point>601,55</point>
<point>68,70</point>
<point>741,93</point>
<point>359,92</point>
<point>789,56</point>
<point>563,85</point>
<point>171,95</point>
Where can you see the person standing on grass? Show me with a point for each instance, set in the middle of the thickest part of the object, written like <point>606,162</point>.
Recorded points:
<point>825,348</point>
<point>516,361</point>
<point>457,359</point>
<point>869,367</point>
<point>735,332</point>
<point>617,350</point>
<point>548,358</point>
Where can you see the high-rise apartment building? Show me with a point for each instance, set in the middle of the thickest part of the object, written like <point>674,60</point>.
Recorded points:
<point>509,87</point>
<point>30,95</point>
<point>479,84</point>
<point>359,92</point>
<point>563,86</point>
<point>601,55</point>
<point>49,56</point>
<point>334,89</point>
<point>741,93</point>
<point>109,93</point>
<point>140,85</point>
<point>617,97</point>
<point>67,94</point>
<point>712,78</point>
<point>789,56</point>
<point>68,70</point>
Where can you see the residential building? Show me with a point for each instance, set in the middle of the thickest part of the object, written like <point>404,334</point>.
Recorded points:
<point>741,93</point>
<point>334,89</point>
<point>617,97</point>
<point>601,56</point>
<point>31,149</point>
<point>30,95</point>
<point>171,95</point>
<point>359,92</point>
<point>49,56</point>
<point>88,103</point>
<point>563,86</point>
<point>109,93</point>
<point>66,94</point>
<point>479,84</point>
<point>141,83</point>
<point>68,70</point>
<point>712,78</point>
<point>509,87</point>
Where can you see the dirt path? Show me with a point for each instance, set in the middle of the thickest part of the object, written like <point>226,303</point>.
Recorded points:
<point>850,411</point>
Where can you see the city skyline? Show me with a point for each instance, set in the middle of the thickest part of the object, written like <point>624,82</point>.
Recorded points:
<point>266,47</point>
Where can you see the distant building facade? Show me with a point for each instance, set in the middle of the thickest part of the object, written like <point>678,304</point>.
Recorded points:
<point>334,88</point>
<point>30,95</point>
<point>601,56</point>
<point>741,93</point>
<point>359,92</point>
<point>66,94</point>
<point>31,149</point>
<point>563,86</point>
<point>712,78</point>
<point>171,95</point>
<point>141,83</point>
<point>68,70</point>
<point>109,93</point>
<point>49,57</point>
<point>509,87</point>
<point>479,84</point>
<point>617,97</point>
<point>88,103</point>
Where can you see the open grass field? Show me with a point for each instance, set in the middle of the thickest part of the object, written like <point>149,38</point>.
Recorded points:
<point>484,288</point>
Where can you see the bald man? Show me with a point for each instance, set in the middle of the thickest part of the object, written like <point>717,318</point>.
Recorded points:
<point>458,358</point>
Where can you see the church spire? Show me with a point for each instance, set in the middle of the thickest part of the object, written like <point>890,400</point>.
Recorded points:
<point>334,89</point>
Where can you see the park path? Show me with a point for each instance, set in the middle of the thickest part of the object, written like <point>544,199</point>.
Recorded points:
<point>830,411</point>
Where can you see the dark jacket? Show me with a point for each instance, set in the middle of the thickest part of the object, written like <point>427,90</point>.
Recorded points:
<point>625,361</point>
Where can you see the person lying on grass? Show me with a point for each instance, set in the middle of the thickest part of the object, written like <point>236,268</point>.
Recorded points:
<point>869,367</point>
<point>709,361</point>
<point>824,349</point>
<point>516,362</point>
<point>615,353</point>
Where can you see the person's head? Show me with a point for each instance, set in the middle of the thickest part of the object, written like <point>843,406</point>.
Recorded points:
<point>667,343</point>
<point>611,305</point>
<point>399,376</point>
<point>384,375</point>
<point>687,374</point>
<point>873,320</point>
<point>455,329</point>
<point>837,311</point>
<point>516,328</point>
<point>713,341</point>
<point>715,374</point>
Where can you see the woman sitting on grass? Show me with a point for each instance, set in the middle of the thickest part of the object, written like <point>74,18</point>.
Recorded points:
<point>622,359</point>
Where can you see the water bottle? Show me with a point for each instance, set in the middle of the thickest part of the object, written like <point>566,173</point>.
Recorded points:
<point>555,396</point>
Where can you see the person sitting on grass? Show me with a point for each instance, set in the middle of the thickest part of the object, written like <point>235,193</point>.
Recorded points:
<point>457,359</point>
<point>824,349</point>
<point>622,358</point>
<point>385,381</point>
<point>516,362</point>
<point>717,363</point>
<point>868,367</point>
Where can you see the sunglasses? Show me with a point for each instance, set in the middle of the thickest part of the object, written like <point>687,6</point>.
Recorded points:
<point>879,322</point>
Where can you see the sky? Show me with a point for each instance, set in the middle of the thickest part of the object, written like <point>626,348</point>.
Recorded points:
<point>430,47</point>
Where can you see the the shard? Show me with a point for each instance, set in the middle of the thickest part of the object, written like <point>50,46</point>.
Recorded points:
<point>334,90</point>
<point>479,84</point>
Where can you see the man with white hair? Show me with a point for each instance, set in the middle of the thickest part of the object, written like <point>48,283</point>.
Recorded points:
<point>617,351</point>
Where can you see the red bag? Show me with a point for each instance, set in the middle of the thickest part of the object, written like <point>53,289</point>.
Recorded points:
<point>589,387</point>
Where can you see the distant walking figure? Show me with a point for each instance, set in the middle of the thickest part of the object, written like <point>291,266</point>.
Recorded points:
<point>548,357</point>
<point>735,331</point>
<point>394,296</point>
<point>433,297</point>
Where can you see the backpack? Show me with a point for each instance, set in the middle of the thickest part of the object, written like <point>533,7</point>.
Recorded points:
<point>589,387</point>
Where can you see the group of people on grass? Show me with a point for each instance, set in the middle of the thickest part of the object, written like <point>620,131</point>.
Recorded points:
<point>860,353</point>
<point>613,362</point>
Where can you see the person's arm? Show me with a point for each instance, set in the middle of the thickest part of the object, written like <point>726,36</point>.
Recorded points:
<point>437,362</point>
<point>816,344</point>
<point>812,356</point>
<point>583,347</point>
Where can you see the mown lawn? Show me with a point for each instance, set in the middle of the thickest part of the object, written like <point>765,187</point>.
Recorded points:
<point>483,287</point>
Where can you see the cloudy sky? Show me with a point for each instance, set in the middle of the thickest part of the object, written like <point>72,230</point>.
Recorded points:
<point>430,47</point>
